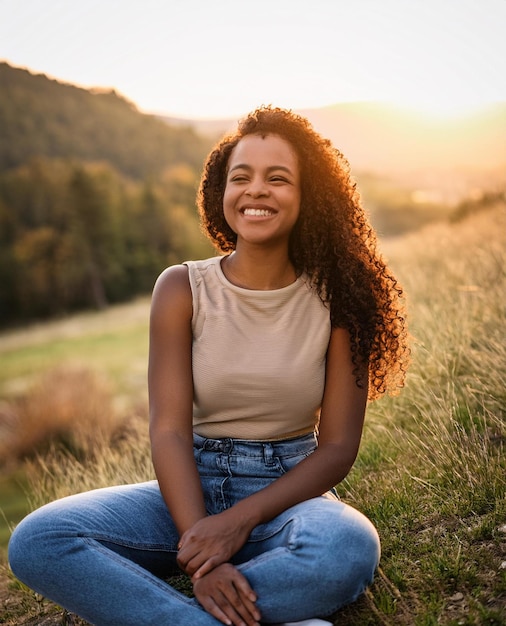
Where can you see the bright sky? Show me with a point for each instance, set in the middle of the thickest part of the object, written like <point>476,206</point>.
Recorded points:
<point>221,58</point>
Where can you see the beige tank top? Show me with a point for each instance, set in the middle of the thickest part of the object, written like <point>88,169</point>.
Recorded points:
<point>258,356</point>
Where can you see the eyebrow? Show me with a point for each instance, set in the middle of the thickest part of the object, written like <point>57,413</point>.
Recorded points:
<point>271,168</point>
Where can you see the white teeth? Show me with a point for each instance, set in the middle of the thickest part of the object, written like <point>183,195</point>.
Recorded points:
<point>257,212</point>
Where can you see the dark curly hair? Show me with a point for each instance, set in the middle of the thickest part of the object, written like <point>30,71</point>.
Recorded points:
<point>332,243</point>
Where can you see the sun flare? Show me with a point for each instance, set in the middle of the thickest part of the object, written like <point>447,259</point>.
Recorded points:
<point>443,109</point>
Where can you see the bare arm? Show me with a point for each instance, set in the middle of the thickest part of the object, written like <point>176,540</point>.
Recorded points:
<point>341,423</point>
<point>225,593</point>
<point>171,397</point>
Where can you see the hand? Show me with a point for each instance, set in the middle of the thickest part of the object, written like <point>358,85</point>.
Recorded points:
<point>226,595</point>
<point>210,542</point>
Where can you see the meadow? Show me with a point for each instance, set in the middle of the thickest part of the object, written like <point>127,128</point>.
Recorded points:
<point>430,472</point>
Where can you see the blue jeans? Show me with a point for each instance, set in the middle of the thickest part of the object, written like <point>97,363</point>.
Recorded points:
<point>105,554</point>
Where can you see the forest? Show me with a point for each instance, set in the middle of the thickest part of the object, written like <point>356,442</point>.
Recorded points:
<point>95,197</point>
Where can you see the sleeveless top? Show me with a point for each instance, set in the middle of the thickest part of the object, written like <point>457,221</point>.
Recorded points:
<point>258,357</point>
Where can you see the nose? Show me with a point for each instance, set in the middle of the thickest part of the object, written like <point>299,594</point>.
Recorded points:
<point>257,188</point>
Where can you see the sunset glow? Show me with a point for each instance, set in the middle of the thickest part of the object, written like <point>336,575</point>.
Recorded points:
<point>200,59</point>
<point>441,110</point>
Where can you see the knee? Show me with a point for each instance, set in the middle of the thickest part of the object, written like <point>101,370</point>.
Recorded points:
<point>348,547</point>
<point>354,552</point>
<point>32,545</point>
<point>20,549</point>
<point>360,544</point>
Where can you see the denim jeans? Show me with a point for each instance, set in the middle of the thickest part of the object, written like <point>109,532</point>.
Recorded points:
<point>105,554</point>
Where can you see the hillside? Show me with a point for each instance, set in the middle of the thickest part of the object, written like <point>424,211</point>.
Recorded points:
<point>45,118</point>
<point>96,198</point>
<point>446,158</point>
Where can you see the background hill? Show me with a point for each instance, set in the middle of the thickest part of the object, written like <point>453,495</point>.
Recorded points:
<point>43,117</point>
<point>445,158</point>
<point>96,198</point>
<point>383,138</point>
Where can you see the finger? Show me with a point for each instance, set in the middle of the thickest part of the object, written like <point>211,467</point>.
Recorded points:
<point>246,596</point>
<point>244,589</point>
<point>240,600</point>
<point>220,608</point>
<point>189,561</point>
<point>213,609</point>
<point>230,603</point>
<point>207,567</point>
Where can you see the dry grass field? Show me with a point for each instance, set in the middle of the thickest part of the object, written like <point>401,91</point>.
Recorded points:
<point>431,472</point>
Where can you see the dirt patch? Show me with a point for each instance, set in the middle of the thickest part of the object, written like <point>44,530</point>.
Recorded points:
<point>22,607</point>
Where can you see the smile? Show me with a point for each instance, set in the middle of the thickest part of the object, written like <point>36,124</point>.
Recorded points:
<point>258,212</point>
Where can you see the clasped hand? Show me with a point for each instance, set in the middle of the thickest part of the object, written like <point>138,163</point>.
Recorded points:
<point>211,541</point>
<point>226,594</point>
<point>205,550</point>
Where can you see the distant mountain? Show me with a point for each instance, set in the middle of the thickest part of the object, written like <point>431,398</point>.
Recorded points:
<point>382,139</point>
<point>43,117</point>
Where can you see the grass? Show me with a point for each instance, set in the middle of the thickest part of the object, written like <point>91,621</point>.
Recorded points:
<point>14,504</point>
<point>112,342</point>
<point>431,472</point>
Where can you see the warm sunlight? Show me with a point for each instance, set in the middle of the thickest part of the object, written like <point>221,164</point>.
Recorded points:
<point>444,109</point>
<point>209,60</point>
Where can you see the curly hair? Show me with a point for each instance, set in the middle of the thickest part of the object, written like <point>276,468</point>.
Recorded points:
<point>332,242</point>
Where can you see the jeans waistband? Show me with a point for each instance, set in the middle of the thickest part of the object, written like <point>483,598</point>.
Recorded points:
<point>279,447</point>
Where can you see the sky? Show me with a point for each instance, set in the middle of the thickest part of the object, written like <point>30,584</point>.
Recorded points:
<point>223,58</point>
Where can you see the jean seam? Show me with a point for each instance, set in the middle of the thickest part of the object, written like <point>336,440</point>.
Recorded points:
<point>151,547</point>
<point>137,569</point>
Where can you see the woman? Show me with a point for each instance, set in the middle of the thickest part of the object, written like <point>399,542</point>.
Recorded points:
<point>261,363</point>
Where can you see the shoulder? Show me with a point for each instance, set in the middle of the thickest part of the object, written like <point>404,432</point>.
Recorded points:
<point>172,291</point>
<point>173,279</point>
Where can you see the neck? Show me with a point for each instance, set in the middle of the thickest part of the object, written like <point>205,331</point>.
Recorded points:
<point>262,272</point>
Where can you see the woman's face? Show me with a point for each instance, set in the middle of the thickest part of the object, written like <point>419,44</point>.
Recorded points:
<point>261,202</point>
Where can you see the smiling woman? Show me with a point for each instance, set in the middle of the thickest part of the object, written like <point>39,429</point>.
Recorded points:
<point>261,362</point>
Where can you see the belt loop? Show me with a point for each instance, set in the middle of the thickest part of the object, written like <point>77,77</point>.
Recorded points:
<point>268,450</point>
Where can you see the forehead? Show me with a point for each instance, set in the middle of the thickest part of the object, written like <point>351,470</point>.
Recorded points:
<point>265,149</point>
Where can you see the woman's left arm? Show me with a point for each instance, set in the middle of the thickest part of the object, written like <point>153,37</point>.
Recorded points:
<point>340,431</point>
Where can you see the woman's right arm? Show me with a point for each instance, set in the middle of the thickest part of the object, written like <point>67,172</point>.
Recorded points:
<point>224,593</point>
<point>171,397</point>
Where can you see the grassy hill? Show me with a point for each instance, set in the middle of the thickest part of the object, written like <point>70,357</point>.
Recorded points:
<point>432,464</point>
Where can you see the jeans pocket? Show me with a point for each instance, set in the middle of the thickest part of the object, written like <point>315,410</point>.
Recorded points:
<point>288,461</point>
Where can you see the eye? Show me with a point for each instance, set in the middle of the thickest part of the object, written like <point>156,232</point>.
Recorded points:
<point>238,178</point>
<point>278,178</point>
